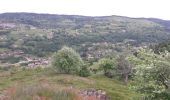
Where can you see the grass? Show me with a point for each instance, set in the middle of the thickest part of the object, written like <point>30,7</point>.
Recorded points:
<point>115,89</point>
<point>42,92</point>
<point>38,78</point>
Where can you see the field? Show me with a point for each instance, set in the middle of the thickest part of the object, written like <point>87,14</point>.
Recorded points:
<point>45,83</point>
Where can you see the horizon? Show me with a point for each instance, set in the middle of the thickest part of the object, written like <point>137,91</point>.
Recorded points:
<point>83,15</point>
<point>130,8</point>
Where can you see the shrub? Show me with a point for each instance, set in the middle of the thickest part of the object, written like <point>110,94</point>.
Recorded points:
<point>67,61</point>
<point>84,72</point>
<point>108,66</point>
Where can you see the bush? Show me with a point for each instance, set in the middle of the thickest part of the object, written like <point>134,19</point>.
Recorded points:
<point>84,72</point>
<point>108,66</point>
<point>67,61</point>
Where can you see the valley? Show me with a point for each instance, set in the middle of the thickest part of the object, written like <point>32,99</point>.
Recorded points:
<point>72,57</point>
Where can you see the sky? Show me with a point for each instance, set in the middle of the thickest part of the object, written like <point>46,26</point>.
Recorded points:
<point>131,8</point>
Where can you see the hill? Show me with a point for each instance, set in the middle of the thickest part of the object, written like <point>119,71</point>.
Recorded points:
<point>42,34</point>
<point>44,83</point>
<point>114,57</point>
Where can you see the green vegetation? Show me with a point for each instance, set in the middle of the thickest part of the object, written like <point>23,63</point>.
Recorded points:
<point>41,34</point>
<point>84,71</point>
<point>115,57</point>
<point>67,61</point>
<point>124,68</point>
<point>46,83</point>
<point>39,91</point>
<point>108,66</point>
<point>152,75</point>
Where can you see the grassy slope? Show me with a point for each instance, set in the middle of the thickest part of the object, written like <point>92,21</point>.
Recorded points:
<point>115,89</point>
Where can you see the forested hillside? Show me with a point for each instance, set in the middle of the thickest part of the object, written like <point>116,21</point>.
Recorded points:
<point>38,31</point>
<point>70,57</point>
<point>32,33</point>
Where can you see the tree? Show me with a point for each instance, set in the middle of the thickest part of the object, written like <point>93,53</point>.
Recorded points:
<point>67,61</point>
<point>107,65</point>
<point>124,68</point>
<point>152,75</point>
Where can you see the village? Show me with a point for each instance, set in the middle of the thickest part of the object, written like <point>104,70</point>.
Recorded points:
<point>6,25</point>
<point>28,61</point>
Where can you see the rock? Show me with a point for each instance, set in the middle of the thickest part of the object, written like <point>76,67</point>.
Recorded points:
<point>95,94</point>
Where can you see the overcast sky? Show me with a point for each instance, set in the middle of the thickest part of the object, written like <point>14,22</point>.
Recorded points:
<point>130,8</point>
